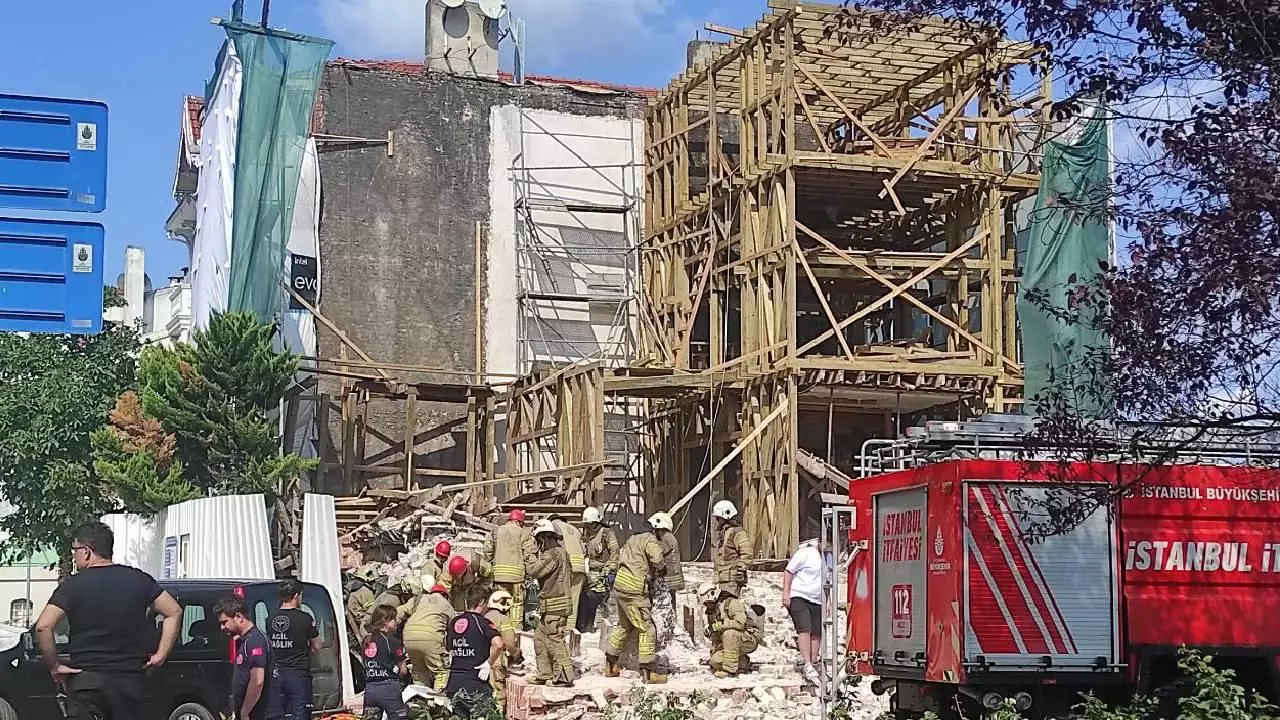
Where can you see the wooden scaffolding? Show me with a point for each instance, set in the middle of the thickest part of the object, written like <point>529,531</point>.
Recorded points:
<point>829,250</point>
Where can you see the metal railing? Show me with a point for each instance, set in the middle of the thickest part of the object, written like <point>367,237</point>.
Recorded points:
<point>1005,437</point>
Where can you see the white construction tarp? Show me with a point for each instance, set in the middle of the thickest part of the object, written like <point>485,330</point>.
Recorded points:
<point>215,194</point>
<point>298,327</point>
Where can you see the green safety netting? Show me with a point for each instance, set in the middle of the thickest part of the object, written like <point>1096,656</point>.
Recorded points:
<point>1070,236</point>
<point>281,74</point>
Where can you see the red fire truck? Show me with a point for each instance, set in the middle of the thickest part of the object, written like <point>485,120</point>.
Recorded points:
<point>965,589</point>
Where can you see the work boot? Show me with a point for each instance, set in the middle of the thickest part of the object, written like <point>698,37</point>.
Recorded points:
<point>535,680</point>
<point>611,668</point>
<point>720,675</point>
<point>653,677</point>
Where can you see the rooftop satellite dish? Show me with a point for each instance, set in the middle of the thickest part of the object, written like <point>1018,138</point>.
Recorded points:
<point>493,9</point>
<point>452,3</point>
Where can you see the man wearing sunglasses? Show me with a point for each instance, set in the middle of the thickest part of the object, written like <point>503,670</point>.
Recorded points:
<point>106,607</point>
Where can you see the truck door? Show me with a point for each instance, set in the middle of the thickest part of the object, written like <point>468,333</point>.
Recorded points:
<point>899,578</point>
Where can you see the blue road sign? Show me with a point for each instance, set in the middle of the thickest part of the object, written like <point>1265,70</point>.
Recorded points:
<point>50,276</point>
<point>53,154</point>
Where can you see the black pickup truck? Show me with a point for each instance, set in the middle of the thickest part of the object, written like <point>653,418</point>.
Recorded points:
<point>195,683</point>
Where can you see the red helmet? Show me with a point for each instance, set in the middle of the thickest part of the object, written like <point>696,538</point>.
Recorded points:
<point>438,588</point>
<point>458,565</point>
<point>516,515</point>
<point>443,549</point>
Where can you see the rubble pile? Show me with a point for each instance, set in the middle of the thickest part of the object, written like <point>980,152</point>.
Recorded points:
<point>399,546</point>
<point>774,688</point>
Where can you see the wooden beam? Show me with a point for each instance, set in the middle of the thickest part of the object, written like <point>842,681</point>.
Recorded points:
<point>895,290</point>
<point>928,142</point>
<point>875,139</point>
<point>822,298</point>
<point>735,452</point>
<point>410,428</point>
<point>342,336</point>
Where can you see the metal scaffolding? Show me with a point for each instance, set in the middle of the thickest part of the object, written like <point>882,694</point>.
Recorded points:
<point>577,234</point>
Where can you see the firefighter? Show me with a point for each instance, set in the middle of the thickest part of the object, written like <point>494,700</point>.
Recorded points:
<point>424,638</point>
<point>640,562</point>
<point>360,599</point>
<point>600,543</point>
<point>435,566</point>
<point>462,574</point>
<point>403,596</point>
<point>510,550</point>
<point>500,615</point>
<point>736,643</point>
<point>572,539</point>
<point>551,569</point>
<point>708,594</point>
<point>730,548</point>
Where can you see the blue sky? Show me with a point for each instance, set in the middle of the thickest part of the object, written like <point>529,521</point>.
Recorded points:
<point>142,61</point>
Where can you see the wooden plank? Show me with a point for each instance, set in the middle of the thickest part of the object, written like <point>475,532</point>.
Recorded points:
<point>410,431</point>
<point>735,452</point>
<point>875,139</point>
<point>895,290</point>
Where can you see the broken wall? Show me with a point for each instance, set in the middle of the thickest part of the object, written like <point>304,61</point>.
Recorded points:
<point>397,234</point>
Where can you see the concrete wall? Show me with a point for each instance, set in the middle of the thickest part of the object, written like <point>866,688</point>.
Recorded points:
<point>397,234</point>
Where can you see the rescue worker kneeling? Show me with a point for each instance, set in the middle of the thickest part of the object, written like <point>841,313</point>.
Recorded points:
<point>552,569</point>
<point>737,635</point>
<point>499,614</point>
<point>424,638</point>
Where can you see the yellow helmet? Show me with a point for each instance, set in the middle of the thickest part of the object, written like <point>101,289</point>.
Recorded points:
<point>500,600</point>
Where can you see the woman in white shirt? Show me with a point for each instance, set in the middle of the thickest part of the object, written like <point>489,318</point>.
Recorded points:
<point>803,597</point>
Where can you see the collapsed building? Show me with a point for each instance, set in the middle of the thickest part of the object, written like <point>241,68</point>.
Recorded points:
<point>559,293</point>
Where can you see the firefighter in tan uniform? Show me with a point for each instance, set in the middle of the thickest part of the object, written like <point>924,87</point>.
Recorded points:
<point>424,638</point>
<point>500,615</point>
<point>435,565</point>
<point>572,539</point>
<point>404,597</point>
<point>552,570</point>
<point>640,562</point>
<point>600,543</point>
<point>510,550</point>
<point>360,599</point>
<point>730,549</point>
<point>737,641</point>
<point>462,573</point>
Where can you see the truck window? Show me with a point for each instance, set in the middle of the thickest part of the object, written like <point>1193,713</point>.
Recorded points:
<point>199,633</point>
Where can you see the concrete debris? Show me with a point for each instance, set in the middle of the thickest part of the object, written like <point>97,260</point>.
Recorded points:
<point>377,544</point>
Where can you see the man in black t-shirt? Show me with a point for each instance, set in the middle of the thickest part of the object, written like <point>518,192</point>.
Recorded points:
<point>293,638</point>
<point>110,633</point>
<point>251,663</point>
<point>474,645</point>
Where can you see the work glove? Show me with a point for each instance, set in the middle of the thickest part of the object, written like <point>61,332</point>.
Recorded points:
<point>715,627</point>
<point>483,671</point>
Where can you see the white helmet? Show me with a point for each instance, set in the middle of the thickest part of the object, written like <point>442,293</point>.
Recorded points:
<point>661,521</point>
<point>545,526</point>
<point>724,510</point>
<point>707,591</point>
<point>591,515</point>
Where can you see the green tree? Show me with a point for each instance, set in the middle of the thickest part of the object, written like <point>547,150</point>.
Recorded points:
<point>55,390</point>
<point>216,397</point>
<point>136,460</point>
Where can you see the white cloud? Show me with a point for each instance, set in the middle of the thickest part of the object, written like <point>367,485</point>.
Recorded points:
<point>394,29</point>
<point>562,35</point>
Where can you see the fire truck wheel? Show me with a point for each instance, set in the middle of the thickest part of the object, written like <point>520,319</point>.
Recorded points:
<point>7,712</point>
<point>189,711</point>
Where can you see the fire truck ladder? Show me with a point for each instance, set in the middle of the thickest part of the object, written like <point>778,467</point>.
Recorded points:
<point>1004,437</point>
